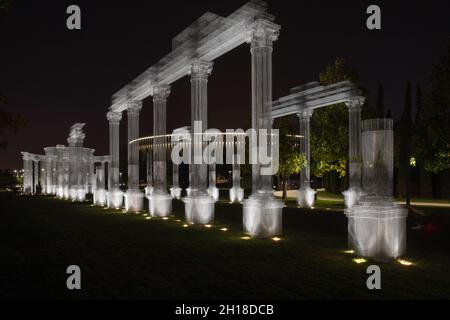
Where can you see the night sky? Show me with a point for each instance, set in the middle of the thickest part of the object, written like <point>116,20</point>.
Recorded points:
<point>55,77</point>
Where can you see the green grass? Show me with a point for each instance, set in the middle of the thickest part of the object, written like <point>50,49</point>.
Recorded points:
<point>126,256</point>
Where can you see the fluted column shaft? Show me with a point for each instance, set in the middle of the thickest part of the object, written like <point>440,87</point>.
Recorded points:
<point>133,110</point>
<point>36,175</point>
<point>102,181</point>
<point>262,37</point>
<point>305,173</point>
<point>160,95</point>
<point>200,70</point>
<point>354,145</point>
<point>27,174</point>
<point>114,174</point>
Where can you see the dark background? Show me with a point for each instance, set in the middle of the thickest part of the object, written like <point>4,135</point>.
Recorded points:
<point>55,77</point>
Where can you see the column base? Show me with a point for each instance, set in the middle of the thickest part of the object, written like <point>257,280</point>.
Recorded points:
<point>236,194</point>
<point>305,197</point>
<point>160,204</point>
<point>77,194</point>
<point>134,201</point>
<point>188,192</point>
<point>377,231</point>
<point>214,193</point>
<point>148,191</point>
<point>262,216</point>
<point>66,193</point>
<point>351,197</point>
<point>175,192</point>
<point>81,195</point>
<point>199,209</point>
<point>100,197</point>
<point>115,199</point>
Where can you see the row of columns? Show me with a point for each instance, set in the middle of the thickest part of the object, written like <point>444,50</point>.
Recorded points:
<point>262,212</point>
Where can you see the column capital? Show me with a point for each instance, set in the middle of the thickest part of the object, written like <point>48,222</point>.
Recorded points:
<point>262,33</point>
<point>161,92</point>
<point>134,106</point>
<point>114,117</point>
<point>355,103</point>
<point>305,114</point>
<point>200,69</point>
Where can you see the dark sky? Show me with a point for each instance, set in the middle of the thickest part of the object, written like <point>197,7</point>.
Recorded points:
<point>55,77</point>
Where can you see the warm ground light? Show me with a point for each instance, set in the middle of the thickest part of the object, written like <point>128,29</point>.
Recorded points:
<point>123,255</point>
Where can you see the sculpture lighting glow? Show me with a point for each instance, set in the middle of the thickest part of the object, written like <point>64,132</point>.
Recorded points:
<point>377,225</point>
<point>236,195</point>
<point>263,216</point>
<point>100,193</point>
<point>306,197</point>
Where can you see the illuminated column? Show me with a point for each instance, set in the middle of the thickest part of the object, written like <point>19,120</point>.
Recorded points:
<point>36,175</point>
<point>91,183</point>
<point>102,182</point>
<point>212,189</point>
<point>42,176</point>
<point>149,187</point>
<point>353,194</point>
<point>199,205</point>
<point>49,174</point>
<point>100,195</point>
<point>134,198</point>
<point>262,212</point>
<point>27,173</point>
<point>236,192</point>
<point>305,195</point>
<point>160,201</point>
<point>175,191</point>
<point>115,195</point>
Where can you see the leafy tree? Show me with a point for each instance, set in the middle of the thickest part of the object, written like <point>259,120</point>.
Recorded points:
<point>291,161</point>
<point>7,120</point>
<point>5,5</point>
<point>433,136</point>
<point>329,126</point>
<point>8,180</point>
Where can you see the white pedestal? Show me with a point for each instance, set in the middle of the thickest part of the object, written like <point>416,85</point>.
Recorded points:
<point>160,204</point>
<point>115,199</point>
<point>175,192</point>
<point>263,216</point>
<point>214,193</point>
<point>305,197</point>
<point>148,191</point>
<point>73,194</point>
<point>199,209</point>
<point>66,193</point>
<point>134,201</point>
<point>81,195</point>
<point>351,197</point>
<point>100,197</point>
<point>377,231</point>
<point>236,194</point>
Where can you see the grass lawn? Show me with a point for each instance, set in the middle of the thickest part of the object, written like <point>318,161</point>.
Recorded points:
<point>126,256</point>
